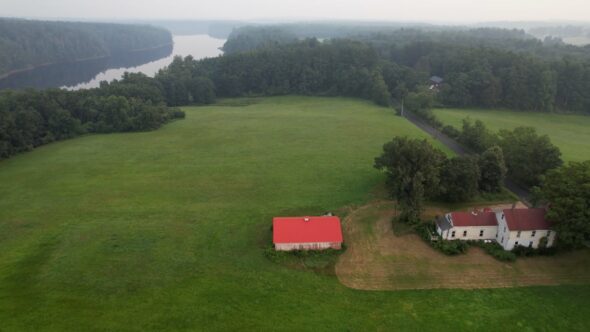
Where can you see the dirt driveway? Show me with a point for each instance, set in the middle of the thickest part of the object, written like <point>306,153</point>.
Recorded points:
<point>377,259</point>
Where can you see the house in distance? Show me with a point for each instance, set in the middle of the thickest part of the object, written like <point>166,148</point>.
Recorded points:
<point>307,233</point>
<point>509,227</point>
<point>435,83</point>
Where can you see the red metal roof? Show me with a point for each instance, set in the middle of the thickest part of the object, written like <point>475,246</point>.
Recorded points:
<point>526,219</point>
<point>464,219</point>
<point>306,229</point>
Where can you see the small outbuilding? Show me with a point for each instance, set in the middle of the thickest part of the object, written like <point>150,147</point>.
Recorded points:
<point>307,233</point>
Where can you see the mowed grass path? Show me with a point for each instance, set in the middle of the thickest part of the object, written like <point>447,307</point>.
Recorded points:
<point>164,230</point>
<point>571,133</point>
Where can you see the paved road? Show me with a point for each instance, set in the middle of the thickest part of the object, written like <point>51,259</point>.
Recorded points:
<point>518,190</point>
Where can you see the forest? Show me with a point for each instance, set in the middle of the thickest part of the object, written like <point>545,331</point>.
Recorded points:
<point>25,44</point>
<point>32,118</point>
<point>480,67</point>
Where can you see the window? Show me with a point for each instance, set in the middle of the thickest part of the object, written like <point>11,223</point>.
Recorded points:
<point>504,229</point>
<point>480,232</point>
<point>516,243</point>
<point>464,233</point>
<point>533,233</point>
<point>548,233</point>
<point>453,234</point>
<point>518,234</point>
<point>531,244</point>
<point>501,241</point>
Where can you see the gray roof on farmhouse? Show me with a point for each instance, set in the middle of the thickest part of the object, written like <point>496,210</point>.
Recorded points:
<point>436,79</point>
<point>443,223</point>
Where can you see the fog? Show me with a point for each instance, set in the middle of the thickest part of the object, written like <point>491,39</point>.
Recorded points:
<point>448,11</point>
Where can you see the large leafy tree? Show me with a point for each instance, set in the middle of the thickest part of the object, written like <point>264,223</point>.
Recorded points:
<point>476,136</point>
<point>459,179</point>
<point>567,192</point>
<point>413,168</point>
<point>528,155</point>
<point>493,169</point>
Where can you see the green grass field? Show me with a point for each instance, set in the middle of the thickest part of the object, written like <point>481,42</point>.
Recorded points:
<point>165,230</point>
<point>571,133</point>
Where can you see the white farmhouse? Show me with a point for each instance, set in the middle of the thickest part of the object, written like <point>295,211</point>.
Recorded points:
<point>509,227</point>
<point>523,227</point>
<point>476,225</point>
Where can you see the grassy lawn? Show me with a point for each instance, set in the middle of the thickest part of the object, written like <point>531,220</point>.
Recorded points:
<point>571,133</point>
<point>166,230</point>
<point>385,258</point>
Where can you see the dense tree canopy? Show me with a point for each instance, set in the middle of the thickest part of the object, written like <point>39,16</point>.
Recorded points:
<point>480,67</point>
<point>476,136</point>
<point>413,173</point>
<point>567,191</point>
<point>459,179</point>
<point>493,169</point>
<point>528,155</point>
<point>346,68</point>
<point>32,118</point>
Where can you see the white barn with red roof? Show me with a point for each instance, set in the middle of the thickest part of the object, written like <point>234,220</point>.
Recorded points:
<point>509,227</point>
<point>306,233</point>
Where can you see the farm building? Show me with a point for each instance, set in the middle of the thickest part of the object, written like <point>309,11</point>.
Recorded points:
<point>524,227</point>
<point>307,233</point>
<point>508,227</point>
<point>476,225</point>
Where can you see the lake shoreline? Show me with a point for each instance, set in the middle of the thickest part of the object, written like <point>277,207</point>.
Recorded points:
<point>30,68</point>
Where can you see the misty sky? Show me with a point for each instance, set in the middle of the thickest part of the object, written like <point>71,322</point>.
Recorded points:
<point>393,10</point>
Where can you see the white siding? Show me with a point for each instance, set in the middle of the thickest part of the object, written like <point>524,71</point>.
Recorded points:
<point>307,246</point>
<point>471,233</point>
<point>508,239</point>
<point>501,234</point>
<point>527,239</point>
<point>503,237</point>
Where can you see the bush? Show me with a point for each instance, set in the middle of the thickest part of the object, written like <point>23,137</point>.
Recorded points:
<point>451,131</point>
<point>425,231</point>
<point>178,114</point>
<point>319,261</point>
<point>495,250</point>
<point>522,251</point>
<point>429,117</point>
<point>451,248</point>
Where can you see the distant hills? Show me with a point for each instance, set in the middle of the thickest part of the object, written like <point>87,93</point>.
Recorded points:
<point>25,44</point>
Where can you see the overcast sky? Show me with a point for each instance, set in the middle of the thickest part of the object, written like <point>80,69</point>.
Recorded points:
<point>392,10</point>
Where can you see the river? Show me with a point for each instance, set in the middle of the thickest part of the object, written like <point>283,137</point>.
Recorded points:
<point>88,74</point>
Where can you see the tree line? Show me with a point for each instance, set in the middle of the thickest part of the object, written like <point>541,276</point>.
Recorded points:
<point>26,43</point>
<point>416,171</point>
<point>480,67</point>
<point>32,118</point>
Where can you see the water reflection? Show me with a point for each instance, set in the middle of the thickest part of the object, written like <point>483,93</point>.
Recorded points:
<point>89,74</point>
